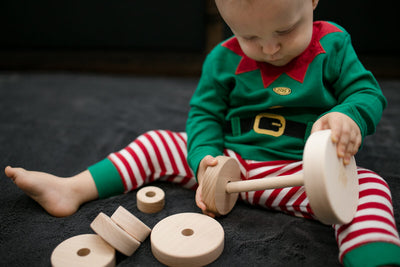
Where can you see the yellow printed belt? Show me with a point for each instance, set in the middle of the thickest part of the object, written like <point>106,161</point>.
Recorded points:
<point>268,124</point>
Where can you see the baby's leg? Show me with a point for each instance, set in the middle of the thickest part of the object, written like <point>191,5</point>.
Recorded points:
<point>152,156</point>
<point>58,196</point>
<point>370,239</point>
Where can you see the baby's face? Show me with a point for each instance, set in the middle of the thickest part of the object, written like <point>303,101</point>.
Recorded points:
<point>272,31</point>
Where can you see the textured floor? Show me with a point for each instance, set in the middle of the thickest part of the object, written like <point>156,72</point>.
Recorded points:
<point>62,123</point>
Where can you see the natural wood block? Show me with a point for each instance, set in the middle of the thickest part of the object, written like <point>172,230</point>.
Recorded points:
<point>131,224</point>
<point>187,239</point>
<point>83,251</point>
<point>114,235</point>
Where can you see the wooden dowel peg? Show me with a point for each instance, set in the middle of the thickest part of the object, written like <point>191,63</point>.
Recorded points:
<point>262,184</point>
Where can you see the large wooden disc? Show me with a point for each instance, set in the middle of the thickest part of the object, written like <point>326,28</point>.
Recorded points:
<point>187,239</point>
<point>83,251</point>
<point>214,184</point>
<point>331,186</point>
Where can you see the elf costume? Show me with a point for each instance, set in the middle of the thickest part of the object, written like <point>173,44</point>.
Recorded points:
<point>262,115</point>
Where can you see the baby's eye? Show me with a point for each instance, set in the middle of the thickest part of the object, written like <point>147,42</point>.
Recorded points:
<point>286,31</point>
<point>283,32</point>
<point>250,38</point>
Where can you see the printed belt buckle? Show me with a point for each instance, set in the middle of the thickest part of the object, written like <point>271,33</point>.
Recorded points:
<point>276,123</point>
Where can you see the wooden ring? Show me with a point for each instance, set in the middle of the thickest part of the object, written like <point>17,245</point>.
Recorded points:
<point>150,199</point>
<point>187,239</point>
<point>331,186</point>
<point>131,224</point>
<point>114,235</point>
<point>214,184</point>
<point>82,251</point>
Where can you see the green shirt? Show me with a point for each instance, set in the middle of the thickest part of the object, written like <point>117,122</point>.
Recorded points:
<point>326,77</point>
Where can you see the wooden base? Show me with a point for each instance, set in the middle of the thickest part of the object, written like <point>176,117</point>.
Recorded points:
<point>187,239</point>
<point>331,186</point>
<point>83,251</point>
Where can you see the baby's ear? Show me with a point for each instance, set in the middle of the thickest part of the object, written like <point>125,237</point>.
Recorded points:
<point>315,3</point>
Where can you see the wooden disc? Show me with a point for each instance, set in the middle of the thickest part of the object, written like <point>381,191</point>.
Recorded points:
<point>83,251</point>
<point>331,186</point>
<point>114,235</point>
<point>187,239</point>
<point>150,199</point>
<point>214,183</point>
<point>131,224</point>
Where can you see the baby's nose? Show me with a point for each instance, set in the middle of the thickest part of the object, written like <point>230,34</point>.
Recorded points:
<point>270,48</point>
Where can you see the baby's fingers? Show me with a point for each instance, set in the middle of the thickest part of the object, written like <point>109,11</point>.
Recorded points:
<point>342,138</point>
<point>352,148</point>
<point>348,144</point>
<point>200,203</point>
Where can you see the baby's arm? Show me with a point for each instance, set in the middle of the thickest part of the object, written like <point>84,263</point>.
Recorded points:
<point>345,133</point>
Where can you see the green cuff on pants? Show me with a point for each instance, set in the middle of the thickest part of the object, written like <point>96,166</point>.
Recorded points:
<point>106,178</point>
<point>372,255</point>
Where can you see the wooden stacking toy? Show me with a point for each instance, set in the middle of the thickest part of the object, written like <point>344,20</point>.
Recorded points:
<point>187,239</point>
<point>331,186</point>
<point>123,232</point>
<point>150,199</point>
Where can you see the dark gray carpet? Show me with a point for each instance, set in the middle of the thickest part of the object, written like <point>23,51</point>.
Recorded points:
<point>62,123</point>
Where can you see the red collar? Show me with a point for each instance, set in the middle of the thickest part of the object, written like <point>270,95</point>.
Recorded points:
<point>296,68</point>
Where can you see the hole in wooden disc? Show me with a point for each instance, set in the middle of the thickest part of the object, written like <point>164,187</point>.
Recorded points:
<point>83,252</point>
<point>150,194</point>
<point>187,232</point>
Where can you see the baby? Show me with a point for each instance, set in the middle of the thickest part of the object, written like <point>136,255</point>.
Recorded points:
<point>261,94</point>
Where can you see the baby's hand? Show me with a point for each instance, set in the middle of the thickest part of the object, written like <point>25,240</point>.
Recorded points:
<point>204,164</point>
<point>345,133</point>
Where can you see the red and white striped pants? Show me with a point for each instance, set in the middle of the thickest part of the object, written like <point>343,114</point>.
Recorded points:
<point>162,155</point>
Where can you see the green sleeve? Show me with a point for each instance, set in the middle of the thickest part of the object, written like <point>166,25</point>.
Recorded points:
<point>206,117</point>
<point>358,93</point>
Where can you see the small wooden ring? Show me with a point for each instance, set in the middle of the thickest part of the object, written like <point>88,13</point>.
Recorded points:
<point>187,239</point>
<point>131,224</point>
<point>150,199</point>
<point>82,251</point>
<point>114,235</point>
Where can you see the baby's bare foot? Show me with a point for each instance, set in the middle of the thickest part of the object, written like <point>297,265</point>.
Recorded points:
<point>53,193</point>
